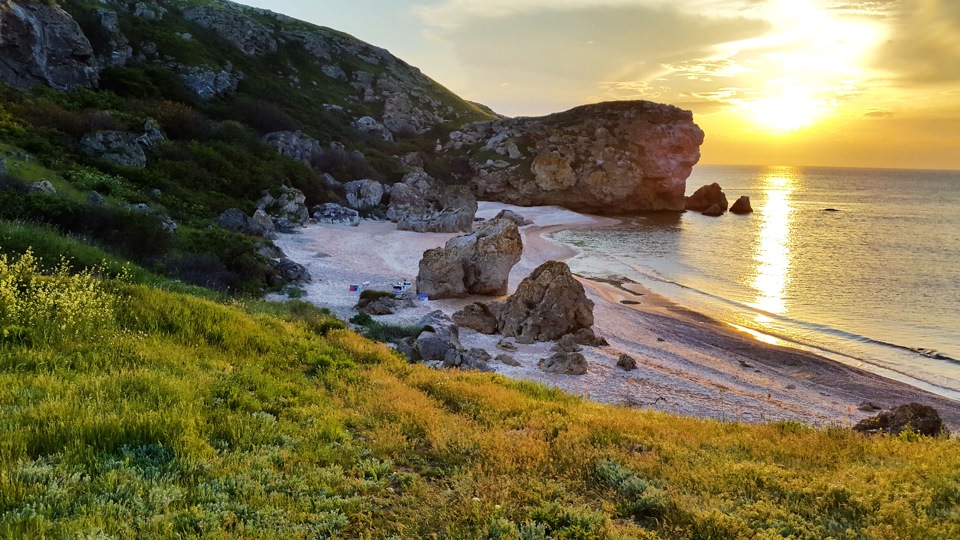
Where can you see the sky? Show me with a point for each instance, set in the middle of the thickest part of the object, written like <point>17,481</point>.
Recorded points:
<point>772,82</point>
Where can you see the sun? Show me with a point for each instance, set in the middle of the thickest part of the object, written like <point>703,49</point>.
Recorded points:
<point>786,113</point>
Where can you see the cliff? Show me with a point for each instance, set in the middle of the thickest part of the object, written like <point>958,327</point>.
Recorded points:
<point>604,158</point>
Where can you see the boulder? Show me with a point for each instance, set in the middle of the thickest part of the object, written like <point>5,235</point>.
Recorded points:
<point>291,204</point>
<point>444,221</point>
<point>604,158</point>
<point>96,199</point>
<point>118,50</point>
<point>421,204</point>
<point>713,211</point>
<point>294,145</point>
<point>440,335</point>
<point>741,206</point>
<point>43,186</point>
<point>547,305</point>
<point>243,32</point>
<point>477,316</point>
<point>922,419</point>
<point>232,220</point>
<point>364,194</point>
<point>473,359</point>
<point>386,305</point>
<point>3,167</point>
<point>260,224</point>
<point>207,83</point>
<point>119,147</point>
<point>572,363</point>
<point>40,43</point>
<point>566,344</point>
<point>707,196</point>
<point>368,125</point>
<point>507,360</point>
<point>626,363</point>
<point>335,214</point>
<point>514,217</point>
<point>291,271</point>
<point>477,263</point>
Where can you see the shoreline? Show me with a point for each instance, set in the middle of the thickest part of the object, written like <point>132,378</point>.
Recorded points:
<point>688,363</point>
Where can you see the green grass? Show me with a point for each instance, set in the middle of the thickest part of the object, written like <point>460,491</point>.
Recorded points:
<point>179,417</point>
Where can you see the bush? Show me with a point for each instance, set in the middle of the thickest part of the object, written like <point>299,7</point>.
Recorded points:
<point>362,319</point>
<point>55,308</point>
<point>262,116</point>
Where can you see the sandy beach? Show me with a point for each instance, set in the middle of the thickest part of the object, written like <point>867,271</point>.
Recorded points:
<point>687,363</point>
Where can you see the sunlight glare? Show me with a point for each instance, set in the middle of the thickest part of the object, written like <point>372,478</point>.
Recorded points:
<point>785,113</point>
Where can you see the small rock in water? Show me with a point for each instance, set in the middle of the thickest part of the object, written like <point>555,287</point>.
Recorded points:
<point>742,206</point>
<point>830,210</point>
<point>713,211</point>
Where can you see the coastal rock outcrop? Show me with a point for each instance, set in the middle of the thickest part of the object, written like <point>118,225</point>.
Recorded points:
<point>603,158</point>
<point>422,204</point>
<point>741,206</point>
<point>364,194</point>
<point>335,214</point>
<point>923,419</point>
<point>549,304</point>
<point>707,196</point>
<point>477,263</point>
<point>40,43</point>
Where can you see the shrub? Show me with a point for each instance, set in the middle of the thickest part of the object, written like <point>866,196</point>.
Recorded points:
<point>262,116</point>
<point>362,319</point>
<point>55,308</point>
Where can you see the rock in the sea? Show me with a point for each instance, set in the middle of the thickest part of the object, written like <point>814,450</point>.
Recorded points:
<point>922,419</point>
<point>572,363</point>
<point>626,363</point>
<point>440,335</point>
<point>741,206</point>
<point>477,263</point>
<point>477,316</point>
<point>605,158</point>
<point>335,214</point>
<point>707,196</point>
<point>40,43</point>
<point>713,211</point>
<point>547,305</point>
<point>364,194</point>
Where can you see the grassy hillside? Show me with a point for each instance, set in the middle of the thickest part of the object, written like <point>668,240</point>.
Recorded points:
<point>134,412</point>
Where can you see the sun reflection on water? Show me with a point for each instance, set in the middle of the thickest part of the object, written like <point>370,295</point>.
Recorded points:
<point>773,255</point>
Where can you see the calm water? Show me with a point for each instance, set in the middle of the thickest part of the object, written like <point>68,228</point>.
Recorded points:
<point>874,282</point>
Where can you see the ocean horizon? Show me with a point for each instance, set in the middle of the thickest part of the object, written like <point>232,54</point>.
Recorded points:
<point>859,265</point>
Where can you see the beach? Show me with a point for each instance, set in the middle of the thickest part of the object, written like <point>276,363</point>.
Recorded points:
<point>688,363</point>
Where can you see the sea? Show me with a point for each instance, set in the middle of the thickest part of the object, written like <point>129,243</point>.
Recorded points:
<point>859,265</point>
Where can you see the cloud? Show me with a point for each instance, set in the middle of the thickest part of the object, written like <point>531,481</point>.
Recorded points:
<point>880,114</point>
<point>925,43</point>
<point>546,53</point>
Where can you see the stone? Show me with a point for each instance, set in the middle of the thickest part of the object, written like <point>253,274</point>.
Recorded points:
<point>284,226</point>
<point>572,363</point>
<point>477,317</point>
<point>168,224</point>
<point>547,305</point>
<point>207,83</point>
<point>741,206</point>
<point>118,50</point>
<point>869,406</point>
<point>707,196</point>
<point>386,305</point>
<point>507,360</point>
<point>440,335</point>
<point>626,363</point>
<point>477,263</point>
<point>335,214</point>
<point>364,194</point>
<point>473,359</point>
<point>260,224</point>
<point>566,344</point>
<point>606,158</point>
<point>291,204</point>
<point>713,211</point>
<point>514,217</point>
<point>367,124</point>
<point>43,186</point>
<point>586,336</point>
<point>294,145</point>
<point>40,43</point>
<point>506,345</point>
<point>246,34</point>
<point>96,199</point>
<point>291,271</point>
<point>119,147</point>
<point>233,219</point>
<point>922,419</point>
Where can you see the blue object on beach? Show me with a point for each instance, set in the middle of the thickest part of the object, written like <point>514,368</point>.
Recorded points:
<point>422,297</point>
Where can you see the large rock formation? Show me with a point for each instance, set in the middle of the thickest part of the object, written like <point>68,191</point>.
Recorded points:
<point>923,419</point>
<point>549,304</point>
<point>290,205</point>
<point>706,197</point>
<point>603,158</point>
<point>40,43</point>
<point>477,263</point>
<point>422,204</point>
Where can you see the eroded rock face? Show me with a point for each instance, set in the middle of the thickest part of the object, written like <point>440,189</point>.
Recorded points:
<point>294,145</point>
<point>41,44</point>
<point>548,304</point>
<point>120,147</point>
<point>243,32</point>
<point>364,194</point>
<point>477,263</point>
<point>421,204</point>
<point>603,158</point>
